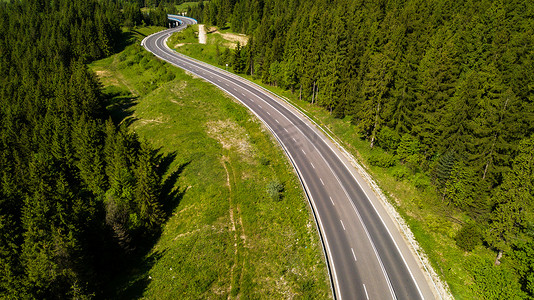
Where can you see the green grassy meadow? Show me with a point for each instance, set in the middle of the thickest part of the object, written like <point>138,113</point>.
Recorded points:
<point>227,236</point>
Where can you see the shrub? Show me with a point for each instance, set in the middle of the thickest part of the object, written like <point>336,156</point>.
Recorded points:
<point>408,152</point>
<point>275,189</point>
<point>264,161</point>
<point>439,225</point>
<point>421,181</point>
<point>388,139</point>
<point>400,173</point>
<point>143,62</point>
<point>468,237</point>
<point>382,159</point>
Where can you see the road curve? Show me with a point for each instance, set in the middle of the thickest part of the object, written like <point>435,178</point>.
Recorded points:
<point>367,256</point>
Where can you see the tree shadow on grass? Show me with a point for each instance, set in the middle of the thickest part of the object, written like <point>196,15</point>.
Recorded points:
<point>136,277</point>
<point>139,278</point>
<point>139,33</point>
<point>171,193</point>
<point>174,195</point>
<point>127,38</point>
<point>119,104</point>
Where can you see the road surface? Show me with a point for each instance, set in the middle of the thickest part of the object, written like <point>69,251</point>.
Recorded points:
<point>366,254</point>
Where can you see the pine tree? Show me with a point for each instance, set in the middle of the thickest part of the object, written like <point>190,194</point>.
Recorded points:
<point>88,151</point>
<point>514,202</point>
<point>147,190</point>
<point>238,63</point>
<point>495,125</point>
<point>376,88</point>
<point>460,186</point>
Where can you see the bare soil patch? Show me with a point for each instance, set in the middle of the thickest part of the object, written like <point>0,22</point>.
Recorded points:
<point>234,37</point>
<point>231,136</point>
<point>107,77</point>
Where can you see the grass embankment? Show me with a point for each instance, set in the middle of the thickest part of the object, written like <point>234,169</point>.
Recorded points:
<point>218,49</point>
<point>433,222</point>
<point>227,236</point>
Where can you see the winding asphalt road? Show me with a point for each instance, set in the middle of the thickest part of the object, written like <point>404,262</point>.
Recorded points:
<point>366,254</point>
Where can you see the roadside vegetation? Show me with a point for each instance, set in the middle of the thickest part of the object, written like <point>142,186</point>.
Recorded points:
<point>240,226</point>
<point>472,215</point>
<point>223,48</point>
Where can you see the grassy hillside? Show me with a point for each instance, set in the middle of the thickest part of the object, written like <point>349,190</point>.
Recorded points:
<point>233,233</point>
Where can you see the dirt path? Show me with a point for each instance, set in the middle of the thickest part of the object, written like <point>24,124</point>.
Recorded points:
<point>233,226</point>
<point>122,79</point>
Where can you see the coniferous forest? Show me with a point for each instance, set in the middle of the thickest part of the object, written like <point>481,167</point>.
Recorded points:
<point>78,193</point>
<point>445,88</point>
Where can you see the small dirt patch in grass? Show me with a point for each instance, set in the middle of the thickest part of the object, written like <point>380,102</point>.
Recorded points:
<point>231,136</point>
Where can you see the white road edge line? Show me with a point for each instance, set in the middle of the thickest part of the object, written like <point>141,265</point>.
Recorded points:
<point>365,289</point>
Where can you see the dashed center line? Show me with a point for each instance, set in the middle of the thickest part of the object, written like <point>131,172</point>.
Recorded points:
<point>366,295</point>
<point>312,165</point>
<point>286,129</point>
<point>269,113</point>
<point>294,140</point>
<point>277,121</point>
<point>354,255</point>
<point>243,94</point>
<point>332,201</point>
<point>342,224</point>
<point>259,106</point>
<point>321,180</point>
